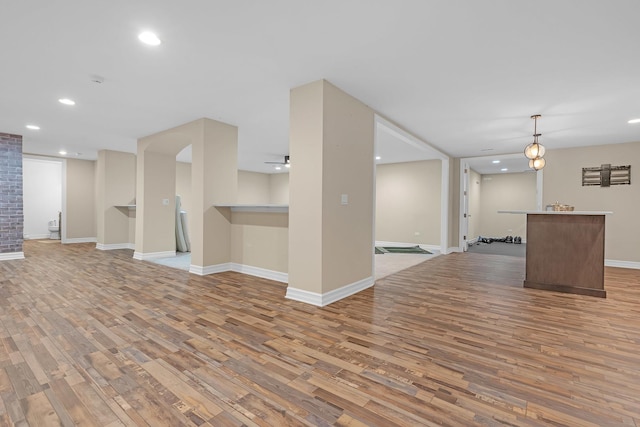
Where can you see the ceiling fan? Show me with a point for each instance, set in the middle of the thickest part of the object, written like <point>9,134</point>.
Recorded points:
<point>286,163</point>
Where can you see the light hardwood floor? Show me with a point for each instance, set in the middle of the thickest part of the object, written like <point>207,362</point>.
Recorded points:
<point>92,337</point>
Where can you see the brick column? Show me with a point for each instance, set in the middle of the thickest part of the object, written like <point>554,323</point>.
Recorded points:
<point>11,214</point>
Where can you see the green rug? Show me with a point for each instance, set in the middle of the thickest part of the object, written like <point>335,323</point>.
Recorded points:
<point>401,250</point>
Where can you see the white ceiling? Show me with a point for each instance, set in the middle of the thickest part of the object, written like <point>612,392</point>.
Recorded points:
<point>464,76</point>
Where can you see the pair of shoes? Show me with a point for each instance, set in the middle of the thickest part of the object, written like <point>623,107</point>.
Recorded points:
<point>508,239</point>
<point>517,240</point>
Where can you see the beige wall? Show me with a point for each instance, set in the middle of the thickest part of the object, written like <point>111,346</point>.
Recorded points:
<point>279,188</point>
<point>509,191</point>
<point>348,168</point>
<point>155,222</point>
<point>454,203</point>
<point>408,202</point>
<point>115,186</point>
<point>260,239</point>
<point>253,188</point>
<point>475,180</point>
<point>183,189</point>
<point>563,183</point>
<point>331,144</point>
<point>81,195</point>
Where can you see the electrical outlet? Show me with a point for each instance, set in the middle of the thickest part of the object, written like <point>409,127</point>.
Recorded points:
<point>165,202</point>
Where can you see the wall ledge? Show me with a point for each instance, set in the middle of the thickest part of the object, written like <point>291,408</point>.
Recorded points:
<point>112,246</point>
<point>8,256</point>
<point>321,300</point>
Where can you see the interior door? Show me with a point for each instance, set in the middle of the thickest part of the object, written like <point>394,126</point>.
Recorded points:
<point>464,229</point>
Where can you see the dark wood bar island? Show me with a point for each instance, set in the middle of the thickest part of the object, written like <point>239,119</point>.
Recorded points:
<point>565,251</point>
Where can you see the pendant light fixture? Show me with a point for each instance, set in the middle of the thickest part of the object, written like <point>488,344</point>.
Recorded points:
<point>535,151</point>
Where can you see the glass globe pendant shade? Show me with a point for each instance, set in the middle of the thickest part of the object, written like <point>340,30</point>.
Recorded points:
<point>537,164</point>
<point>534,150</point>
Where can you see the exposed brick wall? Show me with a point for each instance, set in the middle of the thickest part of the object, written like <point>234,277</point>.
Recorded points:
<point>11,214</point>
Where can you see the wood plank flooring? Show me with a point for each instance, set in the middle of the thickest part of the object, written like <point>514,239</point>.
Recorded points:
<point>95,338</point>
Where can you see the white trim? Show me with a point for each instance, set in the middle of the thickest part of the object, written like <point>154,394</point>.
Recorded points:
<point>150,255</point>
<point>321,300</point>
<point>260,272</point>
<point>452,250</point>
<point>539,187</point>
<point>444,205</point>
<point>112,246</point>
<point>8,256</point>
<point>432,248</point>
<point>63,229</point>
<point>374,193</point>
<point>622,264</point>
<point>209,269</point>
<point>331,296</point>
<point>80,240</point>
<point>37,236</point>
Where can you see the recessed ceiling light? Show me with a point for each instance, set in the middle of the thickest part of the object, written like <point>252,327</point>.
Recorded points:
<point>278,168</point>
<point>495,162</point>
<point>632,121</point>
<point>147,37</point>
<point>288,165</point>
<point>504,169</point>
<point>33,127</point>
<point>66,101</point>
<point>378,157</point>
<point>62,153</point>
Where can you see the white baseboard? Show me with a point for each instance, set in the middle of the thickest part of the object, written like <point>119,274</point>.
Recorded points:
<point>431,248</point>
<point>209,269</point>
<point>80,240</point>
<point>452,250</point>
<point>321,300</point>
<point>112,246</point>
<point>240,268</point>
<point>622,264</point>
<point>260,272</point>
<point>37,236</point>
<point>8,256</point>
<point>150,255</point>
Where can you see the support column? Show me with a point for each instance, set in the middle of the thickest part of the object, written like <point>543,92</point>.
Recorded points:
<point>11,192</point>
<point>331,191</point>
<point>214,178</point>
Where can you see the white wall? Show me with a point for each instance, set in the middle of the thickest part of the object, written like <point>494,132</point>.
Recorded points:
<point>42,195</point>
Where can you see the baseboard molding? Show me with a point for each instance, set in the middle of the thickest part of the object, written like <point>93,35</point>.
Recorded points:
<point>622,264</point>
<point>260,272</point>
<point>209,269</point>
<point>37,236</point>
<point>430,248</point>
<point>112,246</point>
<point>321,300</point>
<point>80,240</point>
<point>452,250</point>
<point>150,255</point>
<point>8,256</point>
